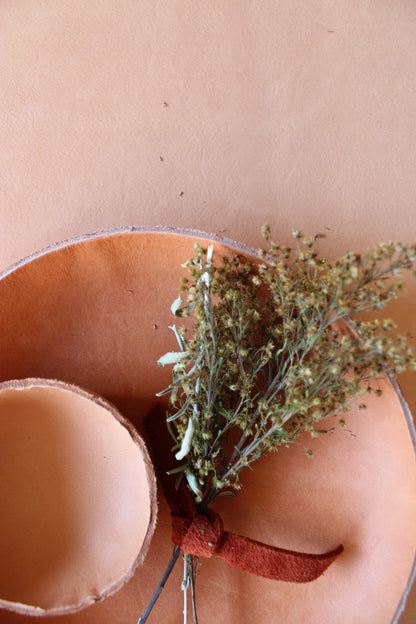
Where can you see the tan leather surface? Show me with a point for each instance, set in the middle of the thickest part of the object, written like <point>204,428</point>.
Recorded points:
<point>211,115</point>
<point>96,313</point>
<point>302,114</point>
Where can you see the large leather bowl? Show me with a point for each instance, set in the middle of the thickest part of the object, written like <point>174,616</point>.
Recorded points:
<point>95,312</point>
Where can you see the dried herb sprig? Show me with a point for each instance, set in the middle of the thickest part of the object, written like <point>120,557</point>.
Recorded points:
<point>266,357</point>
<point>268,354</point>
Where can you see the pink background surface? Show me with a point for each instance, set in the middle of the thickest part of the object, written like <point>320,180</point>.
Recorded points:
<point>216,116</point>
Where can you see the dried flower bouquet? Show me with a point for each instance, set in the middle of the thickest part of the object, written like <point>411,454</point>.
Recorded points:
<point>263,358</point>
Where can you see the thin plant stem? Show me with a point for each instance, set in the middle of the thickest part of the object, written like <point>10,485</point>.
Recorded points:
<point>175,556</point>
<point>185,585</point>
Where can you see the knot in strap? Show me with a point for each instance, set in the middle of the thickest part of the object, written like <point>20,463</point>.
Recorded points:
<point>200,536</point>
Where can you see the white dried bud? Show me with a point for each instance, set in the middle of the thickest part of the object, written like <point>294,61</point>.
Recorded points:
<point>186,441</point>
<point>192,482</point>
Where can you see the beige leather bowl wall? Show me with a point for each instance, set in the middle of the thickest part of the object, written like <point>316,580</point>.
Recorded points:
<point>78,498</point>
<point>96,313</point>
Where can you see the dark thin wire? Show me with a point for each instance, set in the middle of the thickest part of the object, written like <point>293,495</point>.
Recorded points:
<point>175,556</point>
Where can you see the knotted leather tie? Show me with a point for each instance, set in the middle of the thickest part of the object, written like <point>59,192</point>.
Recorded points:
<point>203,534</point>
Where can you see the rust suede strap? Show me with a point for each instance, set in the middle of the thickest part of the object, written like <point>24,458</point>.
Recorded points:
<point>203,534</point>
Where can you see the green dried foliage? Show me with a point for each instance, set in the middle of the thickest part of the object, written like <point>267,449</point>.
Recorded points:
<point>267,357</point>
